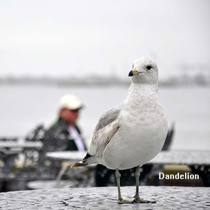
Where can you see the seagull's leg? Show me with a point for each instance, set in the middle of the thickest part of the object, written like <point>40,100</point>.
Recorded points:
<point>120,199</point>
<point>137,199</point>
<point>118,175</point>
<point>137,175</point>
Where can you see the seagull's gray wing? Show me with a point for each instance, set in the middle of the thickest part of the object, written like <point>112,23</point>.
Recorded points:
<point>107,118</point>
<point>106,128</point>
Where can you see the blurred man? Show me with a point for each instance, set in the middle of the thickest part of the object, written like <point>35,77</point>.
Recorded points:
<point>64,134</point>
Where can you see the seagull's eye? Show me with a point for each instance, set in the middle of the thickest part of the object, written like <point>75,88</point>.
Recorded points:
<point>148,67</point>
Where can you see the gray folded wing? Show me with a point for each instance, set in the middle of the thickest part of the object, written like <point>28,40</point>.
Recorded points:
<point>107,118</point>
<point>105,129</point>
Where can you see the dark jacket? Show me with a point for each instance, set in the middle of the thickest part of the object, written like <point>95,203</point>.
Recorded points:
<point>58,138</point>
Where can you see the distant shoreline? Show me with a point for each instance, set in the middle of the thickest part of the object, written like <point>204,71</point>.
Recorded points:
<point>95,80</point>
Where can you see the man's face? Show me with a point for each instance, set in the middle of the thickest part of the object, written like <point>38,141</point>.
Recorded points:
<point>70,116</point>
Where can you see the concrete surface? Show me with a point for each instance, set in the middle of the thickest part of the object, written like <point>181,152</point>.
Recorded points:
<point>106,198</point>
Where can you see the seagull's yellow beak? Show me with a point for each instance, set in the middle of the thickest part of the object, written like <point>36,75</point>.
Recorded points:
<point>133,73</point>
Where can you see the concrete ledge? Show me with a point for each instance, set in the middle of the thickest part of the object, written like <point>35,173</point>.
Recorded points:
<point>106,198</point>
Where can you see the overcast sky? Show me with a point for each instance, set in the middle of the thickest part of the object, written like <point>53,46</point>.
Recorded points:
<point>79,37</point>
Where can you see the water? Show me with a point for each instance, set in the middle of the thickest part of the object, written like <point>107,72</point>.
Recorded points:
<point>23,107</point>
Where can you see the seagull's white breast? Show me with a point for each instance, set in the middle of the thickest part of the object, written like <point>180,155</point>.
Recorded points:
<point>142,132</point>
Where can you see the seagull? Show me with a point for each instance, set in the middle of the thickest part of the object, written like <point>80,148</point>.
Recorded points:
<point>131,135</point>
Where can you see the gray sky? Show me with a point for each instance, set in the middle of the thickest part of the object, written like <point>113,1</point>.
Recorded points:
<point>79,37</point>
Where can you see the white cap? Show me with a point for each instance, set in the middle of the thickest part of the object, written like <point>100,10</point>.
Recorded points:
<point>70,102</point>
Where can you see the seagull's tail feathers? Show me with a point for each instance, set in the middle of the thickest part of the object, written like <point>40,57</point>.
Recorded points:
<point>87,160</point>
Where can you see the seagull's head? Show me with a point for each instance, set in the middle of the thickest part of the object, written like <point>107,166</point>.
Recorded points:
<point>144,71</point>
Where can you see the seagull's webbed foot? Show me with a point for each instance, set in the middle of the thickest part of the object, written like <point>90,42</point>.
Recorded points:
<point>137,199</point>
<point>124,201</point>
